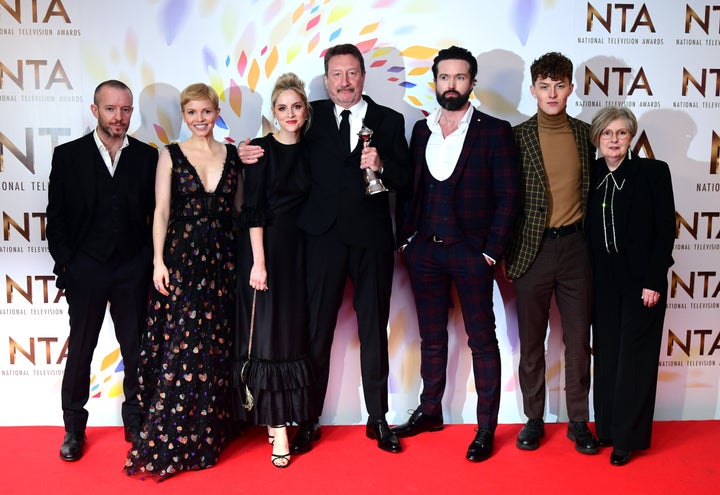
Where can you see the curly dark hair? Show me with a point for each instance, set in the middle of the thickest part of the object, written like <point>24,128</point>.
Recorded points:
<point>554,65</point>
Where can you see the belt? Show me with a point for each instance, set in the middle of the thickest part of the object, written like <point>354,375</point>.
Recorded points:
<point>558,232</point>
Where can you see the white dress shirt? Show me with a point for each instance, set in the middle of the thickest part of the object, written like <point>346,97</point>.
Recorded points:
<point>356,117</point>
<point>442,153</point>
<point>109,163</point>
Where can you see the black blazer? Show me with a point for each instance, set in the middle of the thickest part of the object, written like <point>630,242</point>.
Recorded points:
<point>645,219</point>
<point>337,194</point>
<point>72,193</point>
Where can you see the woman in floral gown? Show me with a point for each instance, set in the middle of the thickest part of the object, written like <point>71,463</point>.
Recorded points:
<point>185,360</point>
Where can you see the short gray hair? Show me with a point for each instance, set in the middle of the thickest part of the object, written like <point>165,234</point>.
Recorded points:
<point>607,115</point>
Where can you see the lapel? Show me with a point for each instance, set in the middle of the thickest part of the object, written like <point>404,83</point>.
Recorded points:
<point>373,119</point>
<point>325,124</point>
<point>471,136</point>
<point>531,143</point>
<point>420,140</point>
<point>86,172</point>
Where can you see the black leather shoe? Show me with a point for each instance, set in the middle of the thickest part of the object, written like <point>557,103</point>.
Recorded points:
<point>419,422</point>
<point>481,447</point>
<point>604,442</point>
<point>386,439</point>
<point>585,441</point>
<point>72,446</point>
<point>619,457</point>
<point>530,435</point>
<point>302,442</point>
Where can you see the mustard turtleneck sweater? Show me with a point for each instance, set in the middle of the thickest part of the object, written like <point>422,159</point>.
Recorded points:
<point>562,169</point>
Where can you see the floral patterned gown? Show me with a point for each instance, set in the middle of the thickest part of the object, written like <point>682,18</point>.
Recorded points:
<point>185,358</point>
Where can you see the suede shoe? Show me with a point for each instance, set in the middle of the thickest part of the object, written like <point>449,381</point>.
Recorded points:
<point>302,442</point>
<point>72,446</point>
<point>530,435</point>
<point>419,422</point>
<point>380,431</point>
<point>481,447</point>
<point>585,441</point>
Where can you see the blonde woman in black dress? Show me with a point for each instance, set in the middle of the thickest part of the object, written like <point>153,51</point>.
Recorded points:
<point>272,274</point>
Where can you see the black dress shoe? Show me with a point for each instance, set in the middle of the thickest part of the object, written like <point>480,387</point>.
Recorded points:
<point>530,435</point>
<point>302,442</point>
<point>604,442</point>
<point>419,422</point>
<point>380,431</point>
<point>619,457</point>
<point>72,446</point>
<point>585,441</point>
<point>481,447</point>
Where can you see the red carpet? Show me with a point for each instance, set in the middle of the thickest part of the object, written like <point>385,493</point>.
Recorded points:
<point>682,460</point>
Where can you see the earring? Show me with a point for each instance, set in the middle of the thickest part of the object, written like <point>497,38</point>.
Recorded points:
<point>597,154</point>
<point>276,123</point>
<point>629,154</point>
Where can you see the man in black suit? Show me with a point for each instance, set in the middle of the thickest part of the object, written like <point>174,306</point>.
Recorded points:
<point>99,213</point>
<point>350,233</point>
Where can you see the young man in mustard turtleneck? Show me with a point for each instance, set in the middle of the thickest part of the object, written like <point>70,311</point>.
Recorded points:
<point>548,253</point>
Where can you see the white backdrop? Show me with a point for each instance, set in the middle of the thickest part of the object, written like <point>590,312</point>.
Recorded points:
<point>657,57</point>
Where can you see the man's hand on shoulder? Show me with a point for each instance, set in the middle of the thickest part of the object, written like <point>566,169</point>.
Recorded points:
<point>249,153</point>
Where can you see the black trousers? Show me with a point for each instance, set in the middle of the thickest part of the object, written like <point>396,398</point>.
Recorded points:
<point>626,340</point>
<point>91,285</point>
<point>329,263</point>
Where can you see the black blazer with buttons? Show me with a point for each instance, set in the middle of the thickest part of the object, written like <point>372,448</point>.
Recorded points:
<point>337,195</point>
<point>72,194</point>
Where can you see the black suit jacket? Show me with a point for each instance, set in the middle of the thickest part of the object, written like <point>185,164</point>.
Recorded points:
<point>72,193</point>
<point>337,195</point>
<point>645,219</point>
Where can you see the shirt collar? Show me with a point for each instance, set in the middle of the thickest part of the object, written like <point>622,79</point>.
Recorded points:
<point>433,120</point>
<point>101,145</point>
<point>357,110</point>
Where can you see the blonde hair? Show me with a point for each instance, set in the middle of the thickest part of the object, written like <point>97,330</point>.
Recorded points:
<point>290,81</point>
<point>199,92</point>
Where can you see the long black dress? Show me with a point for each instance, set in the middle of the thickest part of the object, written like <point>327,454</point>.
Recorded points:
<point>186,359</point>
<point>280,373</point>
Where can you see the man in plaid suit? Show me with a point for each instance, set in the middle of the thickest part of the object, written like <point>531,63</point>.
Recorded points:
<point>548,253</point>
<point>465,201</point>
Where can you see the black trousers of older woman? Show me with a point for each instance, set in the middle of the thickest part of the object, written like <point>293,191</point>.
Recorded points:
<point>626,340</point>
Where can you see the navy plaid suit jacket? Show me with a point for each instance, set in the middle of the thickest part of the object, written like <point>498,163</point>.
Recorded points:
<point>486,199</point>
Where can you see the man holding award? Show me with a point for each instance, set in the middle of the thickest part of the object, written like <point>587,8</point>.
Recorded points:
<point>349,230</point>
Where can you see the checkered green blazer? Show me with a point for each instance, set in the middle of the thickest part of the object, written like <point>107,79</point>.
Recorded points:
<point>533,215</point>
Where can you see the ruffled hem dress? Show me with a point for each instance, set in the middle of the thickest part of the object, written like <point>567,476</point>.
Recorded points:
<point>280,373</point>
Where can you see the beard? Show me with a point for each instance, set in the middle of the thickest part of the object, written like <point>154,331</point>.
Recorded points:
<point>108,130</point>
<point>455,102</point>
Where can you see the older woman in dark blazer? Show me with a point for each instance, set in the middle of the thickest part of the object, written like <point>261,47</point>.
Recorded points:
<point>631,230</point>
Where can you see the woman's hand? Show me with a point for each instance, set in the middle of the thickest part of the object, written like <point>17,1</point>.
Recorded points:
<point>161,279</point>
<point>650,297</point>
<point>258,277</point>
